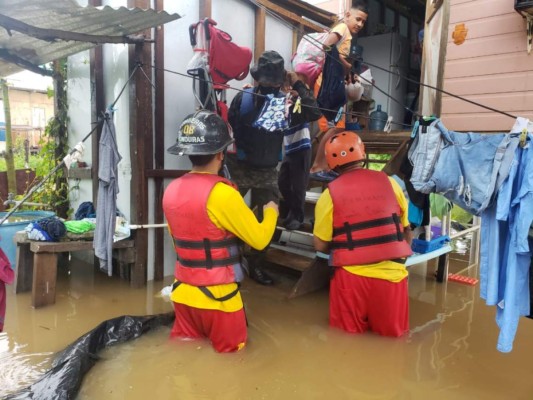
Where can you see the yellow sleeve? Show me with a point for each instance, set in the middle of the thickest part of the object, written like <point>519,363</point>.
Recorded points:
<point>227,210</point>
<point>345,40</point>
<point>323,228</point>
<point>402,201</point>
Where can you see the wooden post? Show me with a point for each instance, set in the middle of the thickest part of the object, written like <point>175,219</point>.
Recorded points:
<point>159,61</point>
<point>24,268</point>
<point>206,9</point>
<point>260,21</point>
<point>44,279</point>
<point>141,147</point>
<point>97,105</point>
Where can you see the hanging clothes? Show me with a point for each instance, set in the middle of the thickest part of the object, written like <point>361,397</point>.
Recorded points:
<point>466,168</point>
<point>109,157</point>
<point>6,276</point>
<point>506,249</point>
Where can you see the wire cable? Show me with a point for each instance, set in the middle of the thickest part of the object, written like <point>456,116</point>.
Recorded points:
<point>58,166</point>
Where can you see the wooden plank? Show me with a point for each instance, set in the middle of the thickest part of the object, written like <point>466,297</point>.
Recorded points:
<point>490,84</point>
<point>24,268</point>
<point>497,65</point>
<point>289,15</point>
<point>293,261</point>
<point>141,148</point>
<point>491,26</point>
<point>205,9</point>
<point>159,150</point>
<point>474,10</point>
<point>165,173</point>
<point>59,247</point>
<point>509,102</point>
<point>481,122</point>
<point>97,105</point>
<point>315,277</point>
<point>489,46</point>
<point>260,22</point>
<point>44,279</point>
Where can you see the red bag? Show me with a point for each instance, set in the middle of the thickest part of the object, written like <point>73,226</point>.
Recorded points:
<point>226,59</point>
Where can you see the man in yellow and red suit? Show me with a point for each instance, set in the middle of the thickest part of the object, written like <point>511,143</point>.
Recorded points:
<point>207,218</point>
<point>361,219</point>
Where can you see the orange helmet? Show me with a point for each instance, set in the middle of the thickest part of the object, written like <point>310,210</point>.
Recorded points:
<point>344,148</point>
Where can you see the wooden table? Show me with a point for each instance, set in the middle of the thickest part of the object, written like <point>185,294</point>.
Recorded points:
<point>36,267</point>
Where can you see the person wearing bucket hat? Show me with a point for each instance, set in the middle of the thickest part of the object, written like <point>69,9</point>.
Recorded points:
<point>207,219</point>
<point>254,165</point>
<point>361,220</point>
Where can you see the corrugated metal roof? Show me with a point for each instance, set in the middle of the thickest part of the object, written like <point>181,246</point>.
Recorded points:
<point>67,15</point>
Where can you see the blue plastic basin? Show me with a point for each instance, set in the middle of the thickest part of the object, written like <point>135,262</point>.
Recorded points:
<point>17,222</point>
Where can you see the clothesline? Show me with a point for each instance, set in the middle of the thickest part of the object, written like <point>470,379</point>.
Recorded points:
<point>318,44</point>
<point>71,152</point>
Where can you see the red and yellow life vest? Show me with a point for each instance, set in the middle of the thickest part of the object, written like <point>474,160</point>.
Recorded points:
<point>206,254</point>
<point>367,227</point>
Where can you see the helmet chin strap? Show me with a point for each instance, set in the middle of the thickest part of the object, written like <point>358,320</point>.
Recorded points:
<point>224,171</point>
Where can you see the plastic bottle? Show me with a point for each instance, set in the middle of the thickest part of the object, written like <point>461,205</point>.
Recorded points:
<point>378,119</point>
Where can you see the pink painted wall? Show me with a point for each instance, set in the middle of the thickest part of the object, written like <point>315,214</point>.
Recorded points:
<point>491,67</point>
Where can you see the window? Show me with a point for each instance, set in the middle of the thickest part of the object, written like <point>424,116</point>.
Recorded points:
<point>404,26</point>
<point>390,17</point>
<point>38,117</point>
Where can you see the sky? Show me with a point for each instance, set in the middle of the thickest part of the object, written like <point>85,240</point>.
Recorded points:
<point>29,80</point>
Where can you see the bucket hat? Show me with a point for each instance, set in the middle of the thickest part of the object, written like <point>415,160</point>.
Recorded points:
<point>269,69</point>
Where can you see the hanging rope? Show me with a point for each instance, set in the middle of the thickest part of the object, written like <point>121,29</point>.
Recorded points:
<point>71,152</point>
<point>310,40</point>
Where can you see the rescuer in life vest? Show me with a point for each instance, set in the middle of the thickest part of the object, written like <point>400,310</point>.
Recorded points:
<point>207,218</point>
<point>361,220</point>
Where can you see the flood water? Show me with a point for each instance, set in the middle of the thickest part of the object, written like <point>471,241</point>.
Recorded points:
<point>450,352</point>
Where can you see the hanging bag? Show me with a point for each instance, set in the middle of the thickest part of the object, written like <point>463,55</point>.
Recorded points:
<point>309,57</point>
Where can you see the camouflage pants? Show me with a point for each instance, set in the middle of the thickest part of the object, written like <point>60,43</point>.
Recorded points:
<point>263,182</point>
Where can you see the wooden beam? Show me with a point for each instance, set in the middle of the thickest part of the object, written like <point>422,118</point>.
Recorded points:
<point>159,150</point>
<point>52,35</point>
<point>442,55</point>
<point>289,15</point>
<point>13,59</point>
<point>165,173</point>
<point>96,63</point>
<point>206,9</point>
<point>141,149</point>
<point>260,23</point>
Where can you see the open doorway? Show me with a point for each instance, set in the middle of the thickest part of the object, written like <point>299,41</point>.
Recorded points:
<point>392,39</point>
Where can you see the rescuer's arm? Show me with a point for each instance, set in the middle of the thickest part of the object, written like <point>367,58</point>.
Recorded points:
<point>323,228</point>
<point>227,210</point>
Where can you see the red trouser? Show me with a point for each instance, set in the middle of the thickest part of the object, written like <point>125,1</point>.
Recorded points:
<point>358,303</point>
<point>226,330</point>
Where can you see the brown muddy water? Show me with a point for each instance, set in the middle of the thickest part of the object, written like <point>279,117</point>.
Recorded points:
<point>450,352</point>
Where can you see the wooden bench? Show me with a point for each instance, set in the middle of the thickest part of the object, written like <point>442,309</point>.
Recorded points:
<point>36,267</point>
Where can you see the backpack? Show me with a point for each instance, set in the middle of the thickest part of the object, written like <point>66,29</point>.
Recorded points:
<point>226,60</point>
<point>309,57</point>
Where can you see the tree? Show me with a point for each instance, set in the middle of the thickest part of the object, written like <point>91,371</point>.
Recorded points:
<point>9,156</point>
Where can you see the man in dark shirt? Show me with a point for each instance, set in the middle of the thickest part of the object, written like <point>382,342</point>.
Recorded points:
<point>253,167</point>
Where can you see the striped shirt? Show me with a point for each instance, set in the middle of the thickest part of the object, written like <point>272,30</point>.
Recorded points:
<point>297,138</point>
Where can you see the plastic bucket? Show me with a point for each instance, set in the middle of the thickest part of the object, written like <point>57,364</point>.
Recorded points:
<point>17,222</point>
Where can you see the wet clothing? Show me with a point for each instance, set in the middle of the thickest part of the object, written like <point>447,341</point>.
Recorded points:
<point>196,313</point>
<point>226,330</point>
<point>323,229</point>
<point>294,171</point>
<point>366,296</point>
<point>372,235</point>
<point>292,181</point>
<point>506,248</point>
<point>207,254</point>
<point>6,276</point>
<point>358,304</point>
<point>108,160</point>
<point>466,168</point>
